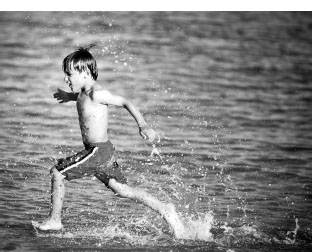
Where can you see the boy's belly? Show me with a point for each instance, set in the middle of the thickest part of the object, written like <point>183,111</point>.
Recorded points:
<point>93,131</point>
<point>89,137</point>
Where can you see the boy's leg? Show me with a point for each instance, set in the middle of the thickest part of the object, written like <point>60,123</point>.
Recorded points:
<point>57,198</point>
<point>167,211</point>
<point>73,167</point>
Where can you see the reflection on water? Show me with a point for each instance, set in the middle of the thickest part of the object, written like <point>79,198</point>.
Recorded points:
<point>230,94</point>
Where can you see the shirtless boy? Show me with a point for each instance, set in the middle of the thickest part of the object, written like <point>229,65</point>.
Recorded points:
<point>98,156</point>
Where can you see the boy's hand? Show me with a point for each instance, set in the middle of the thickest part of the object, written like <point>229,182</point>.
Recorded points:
<point>61,96</point>
<point>150,134</point>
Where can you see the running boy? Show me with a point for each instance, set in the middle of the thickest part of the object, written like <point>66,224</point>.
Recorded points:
<point>98,156</point>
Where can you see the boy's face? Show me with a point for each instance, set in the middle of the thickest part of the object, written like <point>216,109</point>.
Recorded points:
<point>75,80</point>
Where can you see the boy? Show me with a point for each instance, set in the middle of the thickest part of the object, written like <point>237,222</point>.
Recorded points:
<point>98,157</point>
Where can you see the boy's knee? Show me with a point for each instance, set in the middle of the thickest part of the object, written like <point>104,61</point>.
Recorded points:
<point>112,183</point>
<point>53,170</point>
<point>120,189</point>
<point>55,173</point>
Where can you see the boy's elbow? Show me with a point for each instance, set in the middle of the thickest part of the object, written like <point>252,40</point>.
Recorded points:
<point>125,103</point>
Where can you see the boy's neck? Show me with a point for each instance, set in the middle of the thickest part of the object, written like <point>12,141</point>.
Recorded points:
<point>88,87</point>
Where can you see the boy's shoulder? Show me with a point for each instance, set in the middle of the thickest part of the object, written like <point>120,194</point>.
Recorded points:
<point>99,94</point>
<point>99,90</point>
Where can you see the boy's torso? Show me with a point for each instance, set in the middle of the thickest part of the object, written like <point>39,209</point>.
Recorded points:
<point>93,119</point>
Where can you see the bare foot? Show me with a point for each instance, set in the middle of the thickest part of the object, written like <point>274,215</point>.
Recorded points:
<point>174,221</point>
<point>48,225</point>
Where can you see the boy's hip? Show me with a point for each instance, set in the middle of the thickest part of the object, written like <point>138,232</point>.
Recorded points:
<point>101,145</point>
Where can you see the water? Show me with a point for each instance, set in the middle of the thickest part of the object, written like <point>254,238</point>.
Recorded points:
<point>230,94</point>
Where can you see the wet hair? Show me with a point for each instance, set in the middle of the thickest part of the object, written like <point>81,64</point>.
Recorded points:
<point>82,61</point>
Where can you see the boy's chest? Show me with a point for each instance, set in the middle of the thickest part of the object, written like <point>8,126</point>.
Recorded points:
<point>87,107</point>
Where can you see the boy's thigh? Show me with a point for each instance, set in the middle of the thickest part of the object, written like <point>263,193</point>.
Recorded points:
<point>111,171</point>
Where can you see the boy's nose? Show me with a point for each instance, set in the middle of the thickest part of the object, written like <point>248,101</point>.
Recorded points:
<point>66,79</point>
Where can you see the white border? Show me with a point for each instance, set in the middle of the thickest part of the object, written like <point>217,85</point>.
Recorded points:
<point>156,5</point>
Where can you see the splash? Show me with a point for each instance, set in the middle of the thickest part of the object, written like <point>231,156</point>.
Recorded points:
<point>196,228</point>
<point>291,235</point>
<point>156,152</point>
<point>199,229</point>
<point>137,231</point>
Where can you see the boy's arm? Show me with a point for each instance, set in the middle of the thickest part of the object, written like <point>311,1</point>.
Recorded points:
<point>63,96</point>
<point>107,98</point>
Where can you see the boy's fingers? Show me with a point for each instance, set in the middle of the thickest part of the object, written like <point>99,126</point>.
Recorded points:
<point>150,135</point>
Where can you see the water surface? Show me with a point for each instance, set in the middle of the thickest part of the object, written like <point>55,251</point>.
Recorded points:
<point>230,94</point>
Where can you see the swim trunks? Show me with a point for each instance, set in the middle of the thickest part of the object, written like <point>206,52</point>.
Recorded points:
<point>97,159</point>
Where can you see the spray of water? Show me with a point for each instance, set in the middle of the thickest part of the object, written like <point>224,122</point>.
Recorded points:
<point>156,152</point>
<point>291,235</point>
<point>198,229</point>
